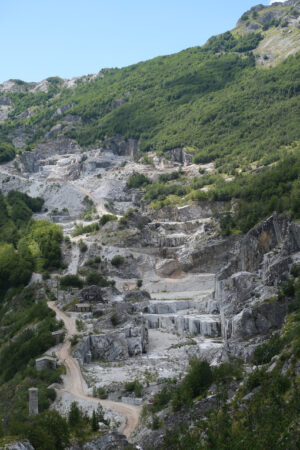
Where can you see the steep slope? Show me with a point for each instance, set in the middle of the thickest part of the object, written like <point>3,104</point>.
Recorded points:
<point>147,178</point>
<point>212,100</point>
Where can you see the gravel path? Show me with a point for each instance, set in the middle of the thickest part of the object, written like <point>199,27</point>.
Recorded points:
<point>74,384</point>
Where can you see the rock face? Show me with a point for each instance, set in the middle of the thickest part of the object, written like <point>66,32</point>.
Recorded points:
<point>203,325</point>
<point>187,212</point>
<point>246,288</point>
<point>18,445</point>
<point>258,320</point>
<point>110,441</point>
<point>180,155</point>
<point>120,146</point>
<point>138,296</point>
<point>91,294</point>
<point>119,345</point>
<point>60,146</point>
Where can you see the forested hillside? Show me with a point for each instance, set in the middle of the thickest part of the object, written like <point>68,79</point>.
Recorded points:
<point>214,100</point>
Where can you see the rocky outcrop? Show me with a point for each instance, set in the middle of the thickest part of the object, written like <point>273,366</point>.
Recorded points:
<point>180,155</point>
<point>120,146</point>
<point>91,294</point>
<point>17,445</point>
<point>262,261</point>
<point>5,101</point>
<point>119,345</point>
<point>258,320</point>
<point>196,324</point>
<point>211,256</point>
<point>62,109</point>
<point>185,213</point>
<point>137,296</point>
<point>62,145</point>
<point>110,441</point>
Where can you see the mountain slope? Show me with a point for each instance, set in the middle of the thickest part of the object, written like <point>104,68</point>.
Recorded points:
<point>213,100</point>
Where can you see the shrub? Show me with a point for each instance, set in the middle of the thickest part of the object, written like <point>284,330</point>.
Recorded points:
<point>115,320</point>
<point>137,180</point>
<point>97,279</point>
<point>7,152</point>
<point>195,383</point>
<point>107,218</point>
<point>101,392</point>
<point>82,246</point>
<point>71,281</point>
<point>134,386</point>
<point>265,352</point>
<point>117,260</point>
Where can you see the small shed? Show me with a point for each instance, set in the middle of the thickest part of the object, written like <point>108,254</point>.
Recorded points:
<point>59,336</point>
<point>83,307</point>
<point>45,362</point>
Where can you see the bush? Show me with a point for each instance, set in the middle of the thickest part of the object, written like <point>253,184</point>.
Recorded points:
<point>265,352</point>
<point>137,180</point>
<point>7,152</point>
<point>162,398</point>
<point>82,246</point>
<point>117,260</point>
<point>94,278</point>
<point>107,218</point>
<point>101,393</point>
<point>195,383</point>
<point>115,319</point>
<point>134,386</point>
<point>71,281</point>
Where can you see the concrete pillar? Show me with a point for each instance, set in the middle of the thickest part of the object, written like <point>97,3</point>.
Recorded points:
<point>33,401</point>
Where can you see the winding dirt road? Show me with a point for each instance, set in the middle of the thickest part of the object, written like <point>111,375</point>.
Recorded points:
<point>73,383</point>
<point>101,210</point>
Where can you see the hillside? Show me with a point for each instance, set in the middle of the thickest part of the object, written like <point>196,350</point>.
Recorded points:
<point>214,100</point>
<point>150,249</point>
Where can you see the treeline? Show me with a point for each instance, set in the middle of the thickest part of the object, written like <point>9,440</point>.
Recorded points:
<point>212,99</point>
<point>25,244</point>
<point>227,42</point>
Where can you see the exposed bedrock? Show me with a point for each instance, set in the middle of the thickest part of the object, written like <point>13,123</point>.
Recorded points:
<point>95,294</point>
<point>205,210</point>
<point>203,325</point>
<point>111,441</point>
<point>120,146</point>
<point>210,256</point>
<point>180,155</point>
<point>18,445</point>
<point>259,319</point>
<point>171,307</point>
<point>119,345</point>
<point>62,145</point>
<point>246,288</point>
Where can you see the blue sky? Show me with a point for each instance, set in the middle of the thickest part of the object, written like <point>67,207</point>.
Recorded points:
<point>42,38</point>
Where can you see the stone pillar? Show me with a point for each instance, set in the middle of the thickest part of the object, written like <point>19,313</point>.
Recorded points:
<point>88,357</point>
<point>33,401</point>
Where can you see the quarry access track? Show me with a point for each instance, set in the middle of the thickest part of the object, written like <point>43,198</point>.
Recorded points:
<point>73,382</point>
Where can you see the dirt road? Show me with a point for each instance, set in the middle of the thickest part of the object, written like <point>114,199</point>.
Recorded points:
<point>73,382</point>
<point>101,210</point>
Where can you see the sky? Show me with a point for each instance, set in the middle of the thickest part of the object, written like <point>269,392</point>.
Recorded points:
<point>67,38</point>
